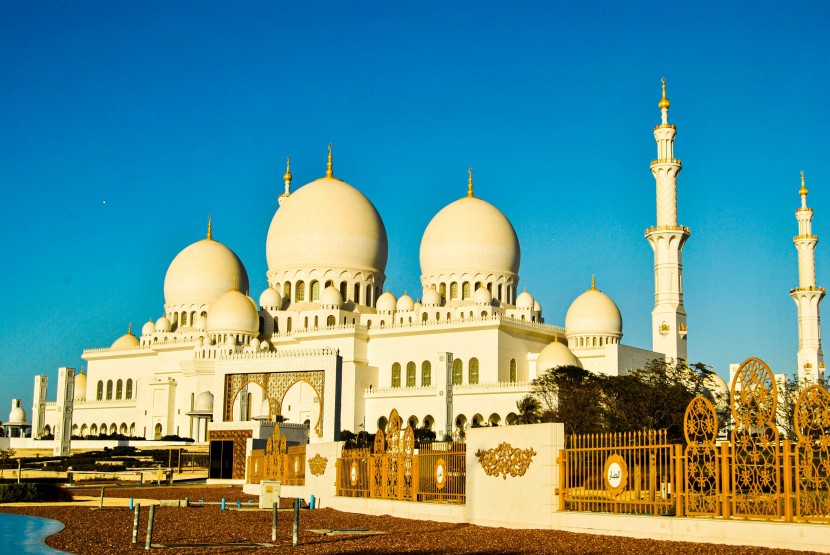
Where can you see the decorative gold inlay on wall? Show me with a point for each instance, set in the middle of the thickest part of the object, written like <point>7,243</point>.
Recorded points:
<point>504,460</point>
<point>317,464</point>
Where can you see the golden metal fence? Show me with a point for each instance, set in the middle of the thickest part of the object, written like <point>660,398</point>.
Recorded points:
<point>393,469</point>
<point>620,473</point>
<point>277,462</point>
<point>752,475</point>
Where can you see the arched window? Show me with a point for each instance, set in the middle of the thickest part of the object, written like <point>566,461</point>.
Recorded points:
<point>184,319</point>
<point>132,429</point>
<point>100,391</point>
<point>329,282</point>
<point>157,434</point>
<point>93,430</point>
<point>305,322</point>
<point>276,325</point>
<point>410,374</point>
<point>473,371</point>
<point>299,293</point>
<point>426,374</point>
<point>443,290</point>
<point>343,286</point>
<point>357,293</point>
<point>330,321</point>
<point>119,389</point>
<point>315,322</point>
<point>286,290</point>
<point>109,390</point>
<point>513,370</point>
<point>315,290</point>
<point>510,295</point>
<point>457,371</point>
<point>465,290</point>
<point>129,392</point>
<point>396,375</point>
<point>424,317</point>
<point>498,294</point>
<point>453,290</point>
<point>369,298</point>
<point>193,318</point>
<point>288,325</point>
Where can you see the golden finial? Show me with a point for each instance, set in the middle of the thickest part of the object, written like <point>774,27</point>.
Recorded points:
<point>803,190</point>
<point>287,177</point>
<point>329,171</point>
<point>210,227</point>
<point>664,102</point>
<point>470,183</point>
<point>130,329</point>
<point>593,283</point>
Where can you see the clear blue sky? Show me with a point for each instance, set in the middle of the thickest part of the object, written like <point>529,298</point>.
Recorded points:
<point>124,124</point>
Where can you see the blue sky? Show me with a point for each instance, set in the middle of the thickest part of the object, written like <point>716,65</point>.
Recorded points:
<point>124,124</point>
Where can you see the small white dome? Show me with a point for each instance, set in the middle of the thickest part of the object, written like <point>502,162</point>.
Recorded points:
<point>482,296</point>
<point>80,387</point>
<point>201,323</point>
<point>593,312</point>
<point>17,414</point>
<point>203,402</point>
<point>537,307</point>
<point>233,312</point>
<point>255,343</point>
<point>264,346</point>
<point>163,324</point>
<point>525,300</point>
<point>406,303</point>
<point>270,298</point>
<point>418,306</point>
<point>148,328</point>
<point>126,341</point>
<point>201,273</point>
<point>386,302</point>
<point>430,297</point>
<point>331,297</point>
<point>554,355</point>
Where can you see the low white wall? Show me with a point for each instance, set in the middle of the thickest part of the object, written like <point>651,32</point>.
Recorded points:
<point>440,512</point>
<point>505,500</point>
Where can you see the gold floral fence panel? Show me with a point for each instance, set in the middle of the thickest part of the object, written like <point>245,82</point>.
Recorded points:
<point>812,455</point>
<point>392,469</point>
<point>277,461</point>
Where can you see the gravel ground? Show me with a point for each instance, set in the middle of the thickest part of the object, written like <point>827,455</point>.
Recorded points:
<point>92,531</point>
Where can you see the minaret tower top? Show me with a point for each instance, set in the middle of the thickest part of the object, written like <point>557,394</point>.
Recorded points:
<point>667,239</point>
<point>807,295</point>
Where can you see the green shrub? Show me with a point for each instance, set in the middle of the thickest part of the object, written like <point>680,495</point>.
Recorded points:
<point>32,493</point>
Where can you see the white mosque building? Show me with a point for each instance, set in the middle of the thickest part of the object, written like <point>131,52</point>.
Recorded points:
<point>328,345</point>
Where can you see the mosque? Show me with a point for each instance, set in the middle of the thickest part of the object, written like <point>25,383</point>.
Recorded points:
<point>329,347</point>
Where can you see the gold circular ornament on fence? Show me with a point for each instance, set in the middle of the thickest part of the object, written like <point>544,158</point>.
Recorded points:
<point>353,473</point>
<point>615,474</point>
<point>440,474</point>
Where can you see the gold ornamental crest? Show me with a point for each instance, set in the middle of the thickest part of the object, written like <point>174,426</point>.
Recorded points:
<point>317,464</point>
<point>504,460</point>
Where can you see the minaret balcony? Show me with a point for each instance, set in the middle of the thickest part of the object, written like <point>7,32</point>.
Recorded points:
<point>665,126</point>
<point>678,228</point>
<point>812,237</point>
<point>821,290</point>
<point>666,161</point>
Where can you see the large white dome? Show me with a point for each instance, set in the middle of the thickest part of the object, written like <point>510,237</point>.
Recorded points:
<point>327,224</point>
<point>469,235</point>
<point>593,312</point>
<point>233,312</point>
<point>202,272</point>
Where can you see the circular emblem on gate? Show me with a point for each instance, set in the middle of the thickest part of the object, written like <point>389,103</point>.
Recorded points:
<point>615,475</point>
<point>440,474</point>
<point>353,473</point>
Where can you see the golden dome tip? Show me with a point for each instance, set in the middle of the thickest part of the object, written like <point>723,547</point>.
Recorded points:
<point>287,176</point>
<point>664,102</point>
<point>803,190</point>
<point>470,183</point>
<point>210,227</point>
<point>329,167</point>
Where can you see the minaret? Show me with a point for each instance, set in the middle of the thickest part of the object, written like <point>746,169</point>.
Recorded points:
<point>287,179</point>
<point>667,239</point>
<point>807,296</point>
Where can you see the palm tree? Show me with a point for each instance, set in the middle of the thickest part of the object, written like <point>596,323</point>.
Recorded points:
<point>529,409</point>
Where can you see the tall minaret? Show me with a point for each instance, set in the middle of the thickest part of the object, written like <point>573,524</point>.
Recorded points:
<point>667,238</point>
<point>807,296</point>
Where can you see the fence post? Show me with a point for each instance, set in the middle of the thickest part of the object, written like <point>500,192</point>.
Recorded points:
<point>679,481</point>
<point>725,479</point>
<point>148,543</point>
<point>788,481</point>
<point>296,537</point>
<point>563,465</point>
<point>652,477</point>
<point>136,518</point>
<point>274,521</point>
<point>101,503</point>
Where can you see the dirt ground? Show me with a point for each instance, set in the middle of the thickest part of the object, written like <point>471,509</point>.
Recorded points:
<point>108,531</point>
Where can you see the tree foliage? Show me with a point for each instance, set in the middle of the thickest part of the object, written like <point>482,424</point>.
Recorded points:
<point>652,397</point>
